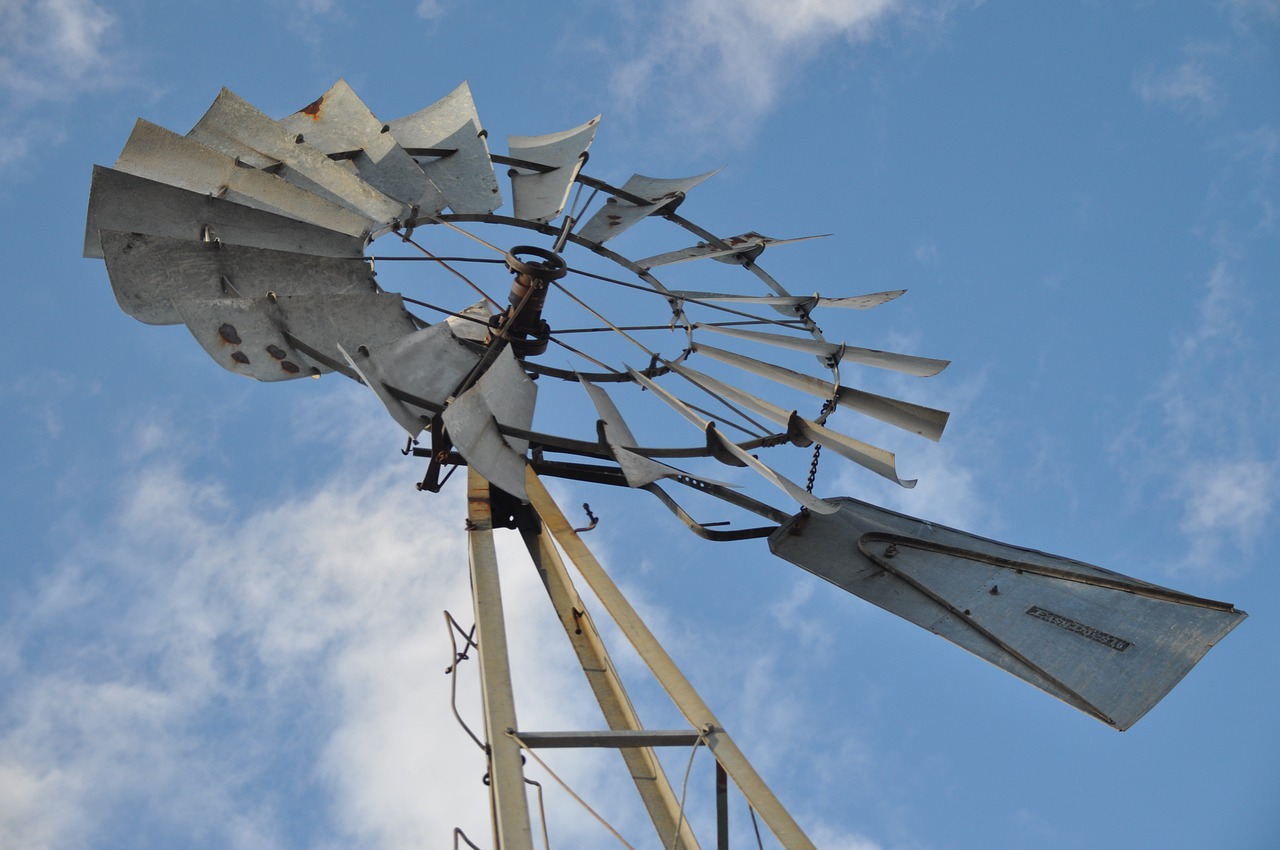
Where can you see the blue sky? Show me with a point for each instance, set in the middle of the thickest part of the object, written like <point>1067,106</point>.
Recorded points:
<point>220,602</point>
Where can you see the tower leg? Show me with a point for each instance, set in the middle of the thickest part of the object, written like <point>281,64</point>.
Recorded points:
<point>663,668</point>
<point>506,773</point>
<point>651,781</point>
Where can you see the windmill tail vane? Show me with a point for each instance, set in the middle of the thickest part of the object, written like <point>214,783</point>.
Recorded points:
<point>256,235</point>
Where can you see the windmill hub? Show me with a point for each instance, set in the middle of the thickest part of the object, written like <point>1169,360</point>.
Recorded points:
<point>522,324</point>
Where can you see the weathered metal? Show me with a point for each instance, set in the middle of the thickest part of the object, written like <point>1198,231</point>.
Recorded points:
<point>656,194</point>
<point>740,249</point>
<point>233,126</point>
<point>512,830</point>
<point>925,421</point>
<point>503,395</point>
<point>449,144</point>
<point>522,326</point>
<point>731,451</point>
<point>159,154</point>
<point>808,302</point>
<point>248,336</point>
<point>539,195</point>
<point>637,469</point>
<point>150,273</point>
<point>921,367</point>
<point>1107,644</point>
<point>125,203</point>
<point>339,124</point>
<point>876,459</point>
<point>428,364</point>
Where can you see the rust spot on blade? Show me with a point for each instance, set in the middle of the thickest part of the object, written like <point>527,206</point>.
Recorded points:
<point>229,334</point>
<point>614,220</point>
<point>277,352</point>
<point>313,109</point>
<point>240,357</point>
<point>290,367</point>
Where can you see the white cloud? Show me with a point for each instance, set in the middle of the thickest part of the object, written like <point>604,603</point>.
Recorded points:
<point>51,51</point>
<point>431,9</point>
<point>1187,86</point>
<point>1246,12</point>
<point>1201,440</point>
<point>54,49</point>
<point>1233,498</point>
<point>727,61</point>
<point>205,663</point>
<point>191,647</point>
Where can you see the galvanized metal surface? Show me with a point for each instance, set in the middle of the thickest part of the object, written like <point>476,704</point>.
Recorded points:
<point>730,449</point>
<point>878,460</point>
<point>921,367</point>
<point>257,337</point>
<point>148,273</point>
<point>236,128</point>
<point>749,243</point>
<point>158,154</point>
<point>617,214</point>
<point>130,204</point>
<point>340,124</point>
<point>503,395</point>
<point>506,773</point>
<point>461,169</point>
<point>808,302</point>
<point>428,364</point>
<point>637,469</point>
<point>540,195</point>
<point>472,323</point>
<point>788,833</point>
<point>1107,644</point>
<point>915,418</point>
<point>642,763</point>
<point>244,336</point>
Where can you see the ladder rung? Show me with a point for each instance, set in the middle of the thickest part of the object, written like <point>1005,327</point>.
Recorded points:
<point>619,738</point>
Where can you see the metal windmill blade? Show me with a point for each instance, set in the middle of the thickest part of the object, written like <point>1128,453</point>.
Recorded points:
<point>544,168</point>
<point>448,143</point>
<point>1104,643</point>
<point>262,237</point>
<point>340,125</point>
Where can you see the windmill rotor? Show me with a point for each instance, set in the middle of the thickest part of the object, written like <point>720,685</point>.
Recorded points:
<point>265,237</point>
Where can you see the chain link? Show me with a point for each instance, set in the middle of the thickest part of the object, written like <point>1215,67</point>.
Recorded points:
<point>827,406</point>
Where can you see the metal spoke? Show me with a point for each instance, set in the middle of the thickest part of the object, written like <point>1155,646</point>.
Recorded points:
<point>788,323</point>
<point>454,271</point>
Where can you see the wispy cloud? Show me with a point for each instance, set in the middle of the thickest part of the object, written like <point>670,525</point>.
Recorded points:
<point>51,52</point>
<point>55,49</point>
<point>1200,439</point>
<point>191,650</point>
<point>728,61</point>
<point>204,663</point>
<point>430,10</point>
<point>1188,86</point>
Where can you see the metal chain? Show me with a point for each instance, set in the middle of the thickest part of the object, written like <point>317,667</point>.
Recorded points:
<point>827,407</point>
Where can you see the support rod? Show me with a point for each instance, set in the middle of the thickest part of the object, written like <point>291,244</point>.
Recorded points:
<point>682,693</point>
<point>646,771</point>
<point>512,829</point>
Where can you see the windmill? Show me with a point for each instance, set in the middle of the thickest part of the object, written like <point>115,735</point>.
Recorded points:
<point>263,237</point>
